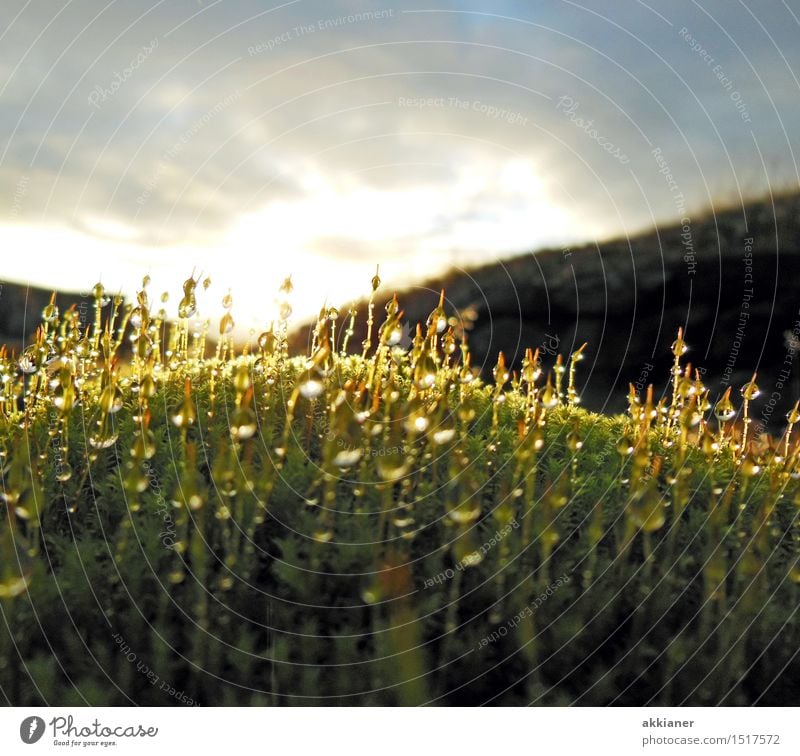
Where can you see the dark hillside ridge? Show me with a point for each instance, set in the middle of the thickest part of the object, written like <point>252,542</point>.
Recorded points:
<point>21,311</point>
<point>730,281</point>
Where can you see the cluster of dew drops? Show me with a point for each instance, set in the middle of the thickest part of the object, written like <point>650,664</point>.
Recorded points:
<point>419,399</point>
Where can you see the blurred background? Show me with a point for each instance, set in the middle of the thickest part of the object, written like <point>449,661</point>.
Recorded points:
<point>602,171</point>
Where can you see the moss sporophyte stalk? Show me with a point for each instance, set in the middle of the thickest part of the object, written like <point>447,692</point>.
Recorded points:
<point>272,527</point>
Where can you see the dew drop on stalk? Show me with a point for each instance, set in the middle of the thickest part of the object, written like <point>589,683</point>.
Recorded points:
<point>549,397</point>
<point>137,482</point>
<point>144,445</point>
<point>625,446</point>
<point>574,442</point>
<point>147,387</point>
<point>185,415</point>
<point>243,424</point>
<point>50,313</point>
<point>392,467</point>
<point>750,390</point>
<point>417,423</point>
<point>724,410</point>
<point>226,324</point>
<point>443,435</point>
<point>679,347</point>
<point>110,400</point>
<point>187,307</point>
<point>135,318</point>
<point>27,364</point>
<point>311,387</point>
<point>749,467</point>
<point>465,514</point>
<point>371,595</point>
<point>103,440</point>
<point>708,444</point>
<point>347,458</point>
<point>471,559</point>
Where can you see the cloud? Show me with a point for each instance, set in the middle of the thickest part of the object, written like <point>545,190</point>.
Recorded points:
<point>344,131</point>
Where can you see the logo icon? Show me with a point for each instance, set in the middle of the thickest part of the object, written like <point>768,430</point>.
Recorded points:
<point>31,729</point>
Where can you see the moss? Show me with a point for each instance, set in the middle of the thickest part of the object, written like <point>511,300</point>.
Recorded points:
<point>538,553</point>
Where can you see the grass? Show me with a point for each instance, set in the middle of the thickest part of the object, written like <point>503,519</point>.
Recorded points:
<point>199,524</point>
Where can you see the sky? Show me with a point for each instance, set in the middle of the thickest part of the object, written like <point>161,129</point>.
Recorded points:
<point>252,140</point>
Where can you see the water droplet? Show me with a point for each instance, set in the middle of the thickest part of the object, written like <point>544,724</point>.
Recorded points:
<point>103,440</point>
<point>725,410</point>
<point>63,472</point>
<point>625,446</point>
<point>226,324</point>
<point>574,442</point>
<point>144,445</point>
<point>348,457</point>
<point>136,317</point>
<point>472,559</point>
<point>417,423</point>
<point>443,435</point>
<point>750,390</point>
<point>749,467</point>
<point>188,306</point>
<point>50,313</point>
<point>311,387</point>
<point>27,363</point>
<point>371,595</point>
<point>392,467</point>
<point>243,424</point>
<point>111,400</point>
<point>464,514</point>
